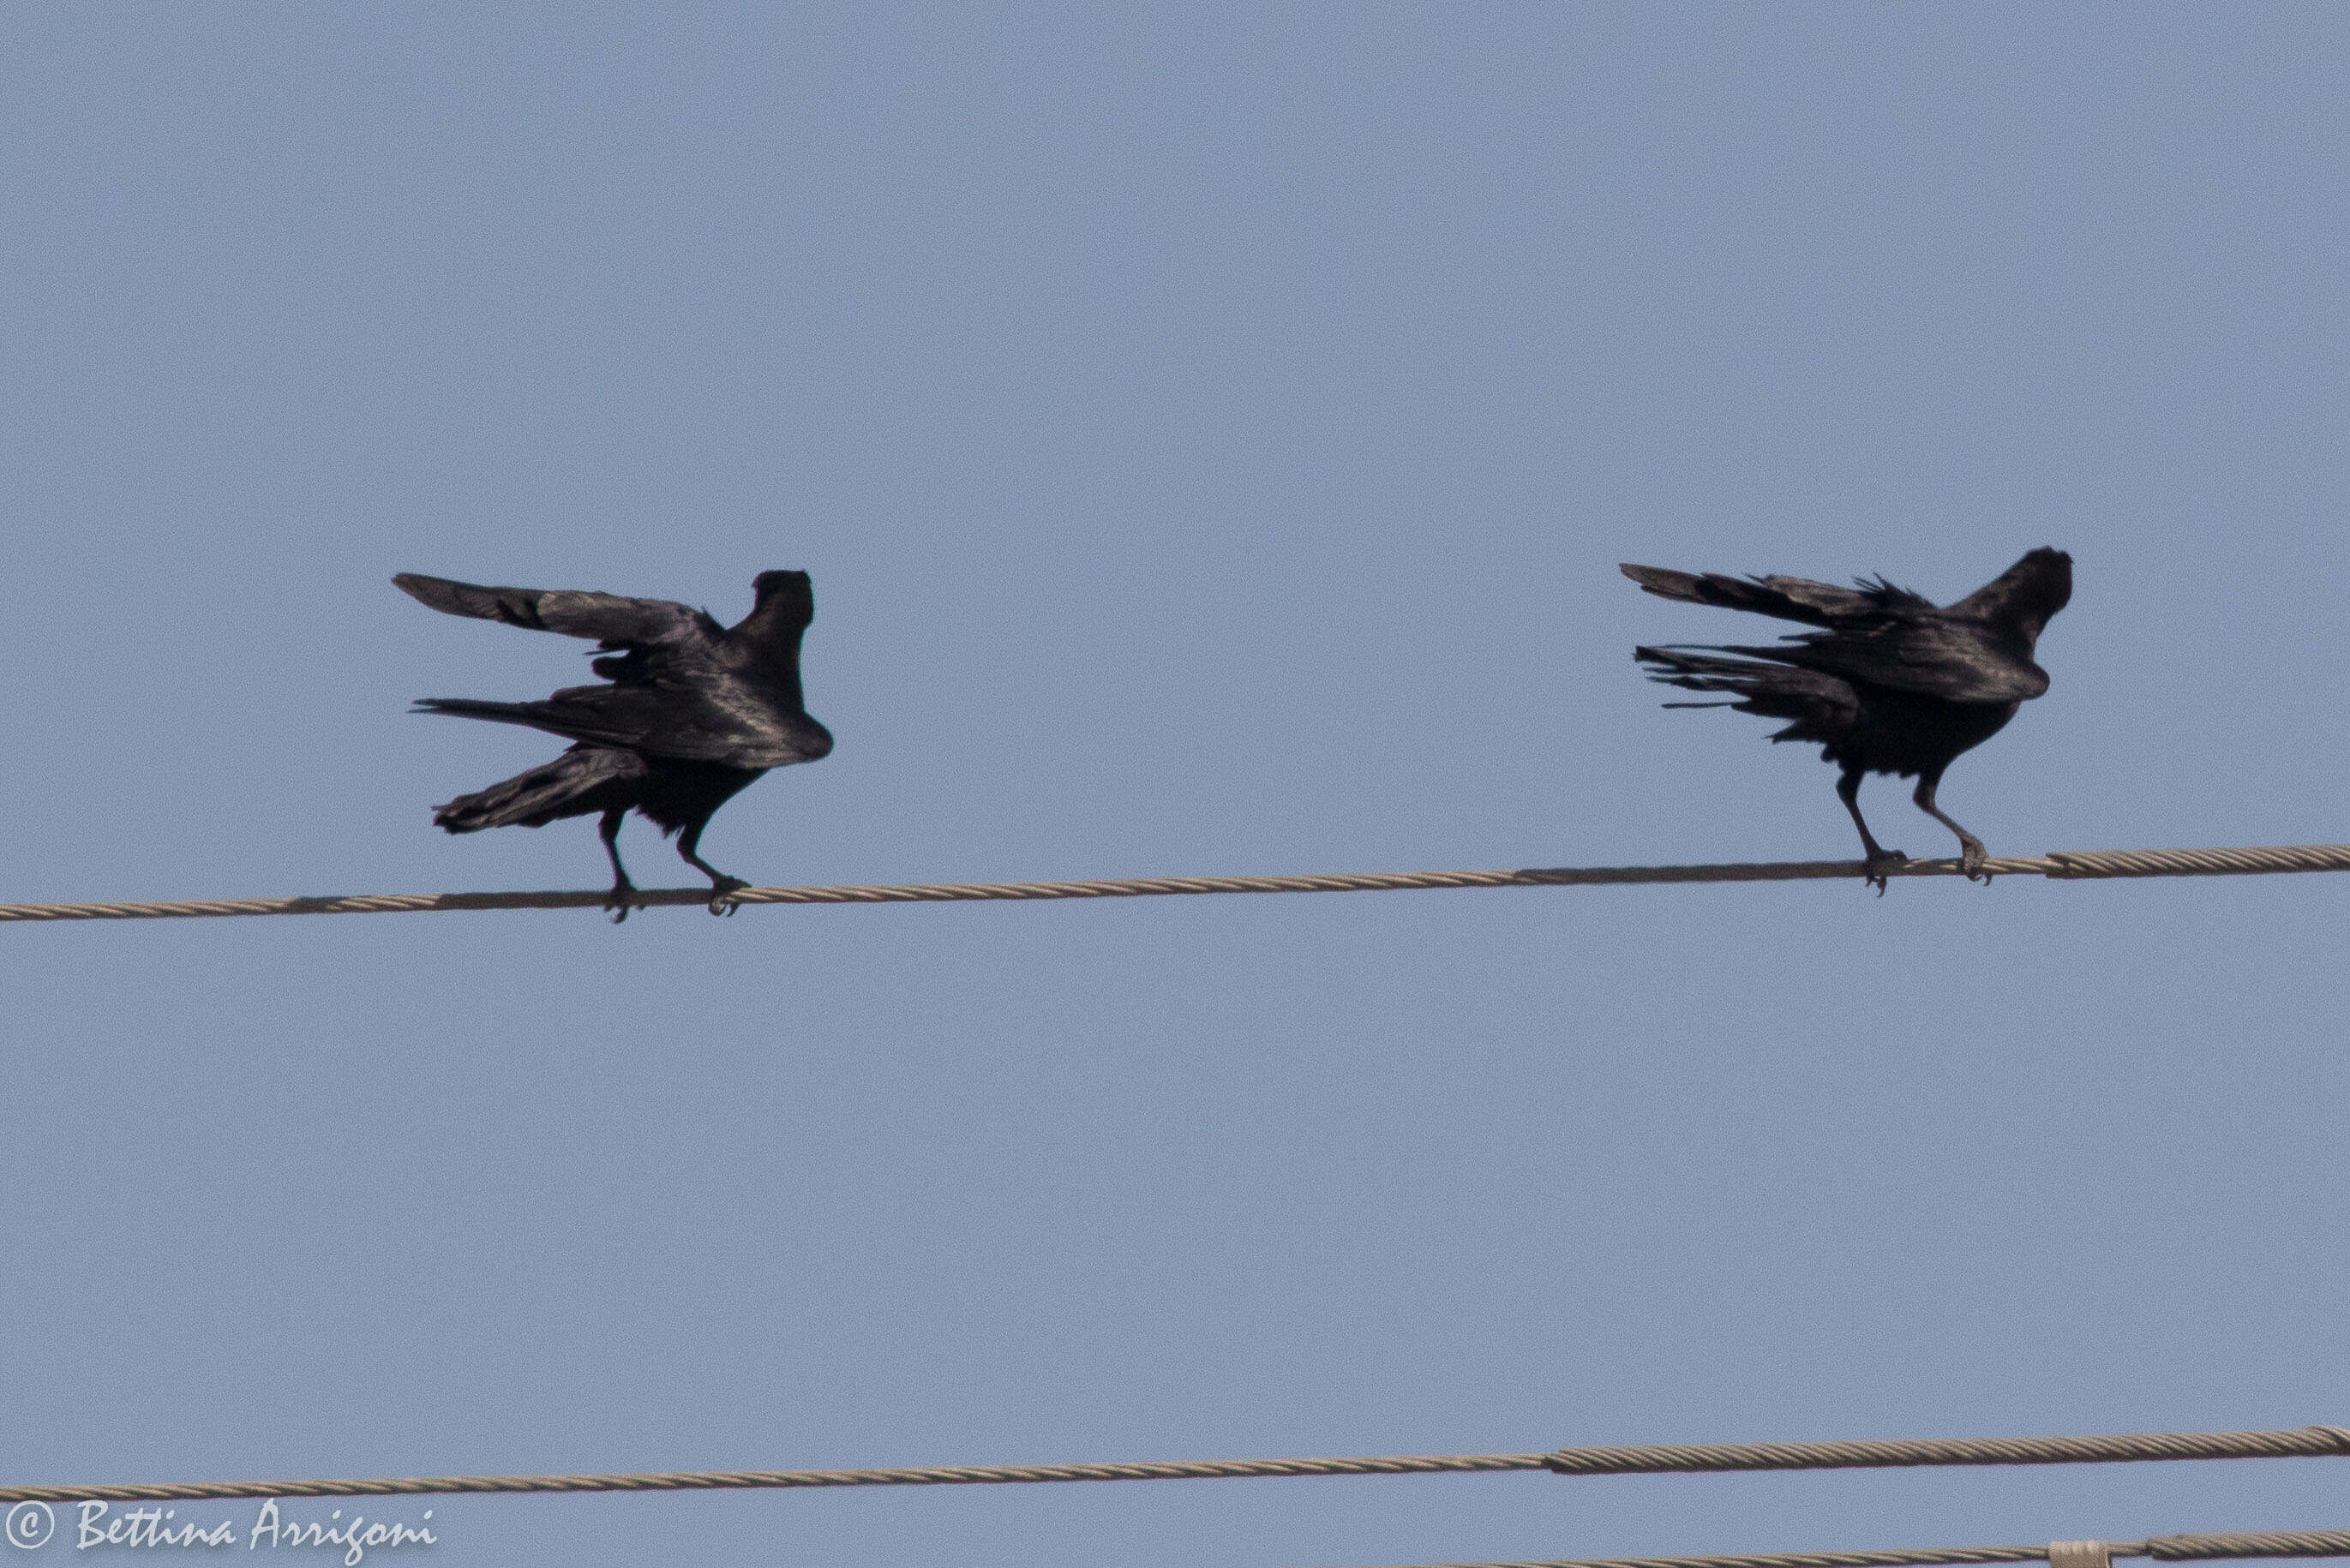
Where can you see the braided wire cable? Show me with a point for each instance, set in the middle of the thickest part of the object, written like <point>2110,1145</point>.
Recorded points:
<point>725,1480</point>
<point>2249,1543</point>
<point>1928,1557</point>
<point>1620,1460</point>
<point>1657,1458</point>
<point>2162,1549</point>
<point>2061,866</point>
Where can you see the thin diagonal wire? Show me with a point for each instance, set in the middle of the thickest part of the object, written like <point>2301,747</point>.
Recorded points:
<point>2162,1549</point>
<point>1927,1557</point>
<point>1617,1459</point>
<point>724,1481</point>
<point>1651,1458</point>
<point>2061,866</point>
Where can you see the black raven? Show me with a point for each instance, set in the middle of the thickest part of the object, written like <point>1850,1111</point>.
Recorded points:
<point>1893,685</point>
<point>693,712</point>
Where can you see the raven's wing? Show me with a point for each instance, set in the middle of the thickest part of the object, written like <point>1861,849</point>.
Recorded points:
<point>1957,660</point>
<point>709,722</point>
<point>611,619</point>
<point>1789,598</point>
<point>717,725</point>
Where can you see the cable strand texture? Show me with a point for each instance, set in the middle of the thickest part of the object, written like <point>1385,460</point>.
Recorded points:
<point>2064,866</point>
<point>1655,1457</point>
<point>2162,1549</point>
<point>1619,1460</point>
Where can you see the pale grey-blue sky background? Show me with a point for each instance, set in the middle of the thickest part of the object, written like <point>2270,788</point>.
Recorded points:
<point>1212,430</point>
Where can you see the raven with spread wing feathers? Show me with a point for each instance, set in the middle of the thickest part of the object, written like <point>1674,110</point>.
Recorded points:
<point>690,712</point>
<point>1892,685</point>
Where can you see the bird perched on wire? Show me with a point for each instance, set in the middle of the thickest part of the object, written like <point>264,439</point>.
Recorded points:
<point>691,713</point>
<point>1893,684</point>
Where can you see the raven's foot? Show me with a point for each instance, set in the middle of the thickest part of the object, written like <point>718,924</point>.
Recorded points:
<point>619,900</point>
<point>722,894</point>
<point>1973,858</point>
<point>1877,870</point>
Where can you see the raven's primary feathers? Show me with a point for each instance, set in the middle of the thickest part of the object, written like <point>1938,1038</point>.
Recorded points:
<point>691,711</point>
<point>1891,684</point>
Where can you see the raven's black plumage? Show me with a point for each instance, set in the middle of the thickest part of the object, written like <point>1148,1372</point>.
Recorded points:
<point>690,713</point>
<point>1893,684</point>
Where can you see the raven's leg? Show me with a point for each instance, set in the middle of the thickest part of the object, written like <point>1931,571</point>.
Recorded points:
<point>1971,852</point>
<point>1881,860</point>
<point>610,830</point>
<point>721,884</point>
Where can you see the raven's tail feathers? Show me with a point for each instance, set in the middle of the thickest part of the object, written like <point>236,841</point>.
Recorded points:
<point>471,708</point>
<point>582,780</point>
<point>1820,706</point>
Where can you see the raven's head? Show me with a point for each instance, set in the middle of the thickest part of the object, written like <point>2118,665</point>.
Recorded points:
<point>2026,596</point>
<point>783,598</point>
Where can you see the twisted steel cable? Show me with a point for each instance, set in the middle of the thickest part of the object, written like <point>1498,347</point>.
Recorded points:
<point>2162,1549</point>
<point>2248,1544</point>
<point>1621,1460</point>
<point>1928,1557</point>
<point>725,1480</point>
<point>1655,1457</point>
<point>2068,865</point>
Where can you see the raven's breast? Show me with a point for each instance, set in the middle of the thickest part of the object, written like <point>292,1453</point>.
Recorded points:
<point>678,793</point>
<point>1900,733</point>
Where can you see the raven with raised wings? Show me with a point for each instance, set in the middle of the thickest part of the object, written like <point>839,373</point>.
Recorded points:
<point>690,712</point>
<point>1892,683</point>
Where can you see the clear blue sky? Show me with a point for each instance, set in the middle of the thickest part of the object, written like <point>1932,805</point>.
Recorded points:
<point>1212,430</point>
